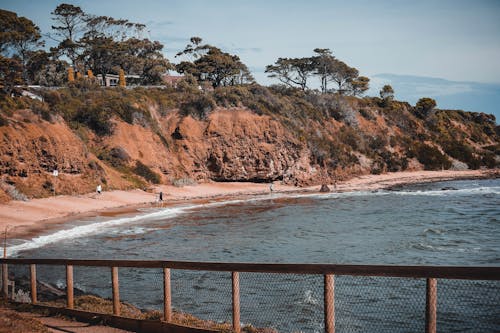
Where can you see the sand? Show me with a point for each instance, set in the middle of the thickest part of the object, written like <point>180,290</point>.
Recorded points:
<point>24,219</point>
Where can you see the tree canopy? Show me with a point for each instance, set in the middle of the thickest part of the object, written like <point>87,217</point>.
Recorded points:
<point>210,64</point>
<point>104,44</point>
<point>19,37</point>
<point>296,72</point>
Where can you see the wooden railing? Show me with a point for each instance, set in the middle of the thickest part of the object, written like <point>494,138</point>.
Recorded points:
<point>430,273</point>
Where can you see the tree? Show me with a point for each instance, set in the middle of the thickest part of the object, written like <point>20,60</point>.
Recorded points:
<point>192,51</point>
<point>70,24</point>
<point>19,37</point>
<point>359,85</point>
<point>100,54</point>
<point>144,57</point>
<point>10,74</point>
<point>109,44</point>
<point>425,106</point>
<point>213,65</point>
<point>387,93</point>
<point>52,74</point>
<point>292,71</point>
<point>36,61</point>
<point>323,63</point>
<point>343,75</point>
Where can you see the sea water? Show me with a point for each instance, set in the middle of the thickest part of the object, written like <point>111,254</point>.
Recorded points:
<point>443,223</point>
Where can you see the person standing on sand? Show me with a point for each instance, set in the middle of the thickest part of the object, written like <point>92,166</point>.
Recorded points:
<point>271,187</point>
<point>161,197</point>
<point>99,189</point>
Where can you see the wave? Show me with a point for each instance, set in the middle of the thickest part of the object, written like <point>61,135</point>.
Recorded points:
<point>92,228</point>
<point>447,192</point>
<point>309,298</point>
<point>444,248</point>
<point>433,231</point>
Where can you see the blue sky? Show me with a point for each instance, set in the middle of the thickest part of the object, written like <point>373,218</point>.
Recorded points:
<point>455,40</point>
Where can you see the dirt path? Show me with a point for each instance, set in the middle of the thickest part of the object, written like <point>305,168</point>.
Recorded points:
<point>27,322</point>
<point>58,325</point>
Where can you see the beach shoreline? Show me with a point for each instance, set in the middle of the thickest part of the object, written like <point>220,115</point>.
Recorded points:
<point>27,219</point>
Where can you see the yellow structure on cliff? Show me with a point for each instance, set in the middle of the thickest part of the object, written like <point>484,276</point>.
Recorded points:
<point>71,74</point>
<point>121,81</point>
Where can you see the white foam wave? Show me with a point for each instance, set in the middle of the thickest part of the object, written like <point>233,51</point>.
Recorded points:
<point>447,192</point>
<point>309,298</point>
<point>433,231</point>
<point>92,228</point>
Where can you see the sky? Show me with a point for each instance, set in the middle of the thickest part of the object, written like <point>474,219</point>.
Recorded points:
<point>455,40</point>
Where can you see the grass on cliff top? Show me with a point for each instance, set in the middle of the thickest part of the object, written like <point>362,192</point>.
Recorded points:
<point>12,321</point>
<point>100,305</point>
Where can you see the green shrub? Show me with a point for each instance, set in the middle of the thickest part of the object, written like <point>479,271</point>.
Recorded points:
<point>145,172</point>
<point>116,156</point>
<point>96,118</point>
<point>461,151</point>
<point>489,160</point>
<point>424,106</point>
<point>367,114</point>
<point>432,158</point>
<point>198,106</point>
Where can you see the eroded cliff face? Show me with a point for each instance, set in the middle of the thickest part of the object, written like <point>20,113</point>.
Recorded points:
<point>237,145</point>
<point>31,148</point>
<point>231,145</point>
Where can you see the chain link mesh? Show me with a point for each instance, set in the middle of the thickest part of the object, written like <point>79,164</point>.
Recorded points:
<point>379,304</point>
<point>271,302</point>
<point>282,302</point>
<point>468,306</point>
<point>204,295</point>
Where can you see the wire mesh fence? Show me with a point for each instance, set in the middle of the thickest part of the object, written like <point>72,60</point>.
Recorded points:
<point>468,306</point>
<point>282,302</point>
<point>269,302</point>
<point>379,304</point>
<point>202,298</point>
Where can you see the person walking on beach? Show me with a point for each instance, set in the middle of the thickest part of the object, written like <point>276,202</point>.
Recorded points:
<point>161,197</point>
<point>271,187</point>
<point>99,189</point>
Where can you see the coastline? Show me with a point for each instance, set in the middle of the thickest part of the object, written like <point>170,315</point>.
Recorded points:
<point>31,218</point>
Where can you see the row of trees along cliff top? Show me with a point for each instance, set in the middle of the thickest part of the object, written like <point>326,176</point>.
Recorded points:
<point>101,44</point>
<point>105,45</point>
<point>296,72</point>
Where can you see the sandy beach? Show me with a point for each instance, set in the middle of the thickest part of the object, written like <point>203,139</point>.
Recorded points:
<point>25,219</point>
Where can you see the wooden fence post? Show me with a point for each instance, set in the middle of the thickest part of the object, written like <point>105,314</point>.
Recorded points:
<point>116,291</point>
<point>167,295</point>
<point>33,283</point>
<point>69,286</point>
<point>236,302</point>
<point>5,281</point>
<point>329,303</point>
<point>431,306</point>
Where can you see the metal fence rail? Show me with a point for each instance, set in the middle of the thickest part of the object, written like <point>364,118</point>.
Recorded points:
<point>274,297</point>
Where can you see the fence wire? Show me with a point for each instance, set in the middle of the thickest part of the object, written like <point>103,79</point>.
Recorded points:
<point>468,306</point>
<point>379,304</point>
<point>282,302</point>
<point>270,302</point>
<point>204,295</point>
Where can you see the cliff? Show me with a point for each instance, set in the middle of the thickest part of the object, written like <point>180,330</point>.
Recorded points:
<point>130,138</point>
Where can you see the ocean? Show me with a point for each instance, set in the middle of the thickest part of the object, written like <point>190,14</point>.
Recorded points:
<point>442,223</point>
